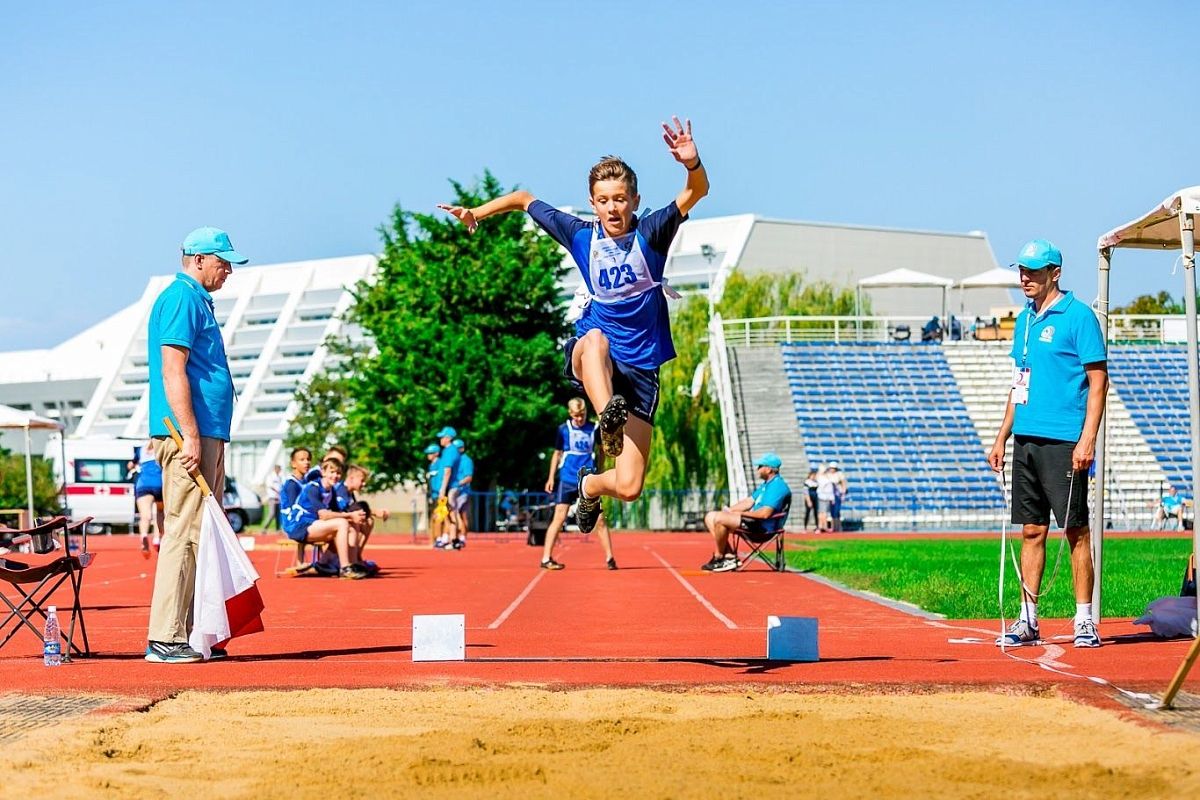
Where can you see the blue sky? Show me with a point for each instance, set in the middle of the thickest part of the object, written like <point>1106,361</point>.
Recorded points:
<point>297,125</point>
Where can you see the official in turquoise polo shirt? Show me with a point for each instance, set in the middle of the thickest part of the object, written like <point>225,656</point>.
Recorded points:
<point>191,384</point>
<point>1055,403</point>
<point>755,514</point>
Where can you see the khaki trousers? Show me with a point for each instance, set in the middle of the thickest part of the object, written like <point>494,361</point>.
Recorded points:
<point>175,577</point>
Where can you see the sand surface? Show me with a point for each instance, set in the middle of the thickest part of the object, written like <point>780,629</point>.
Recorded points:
<point>531,743</point>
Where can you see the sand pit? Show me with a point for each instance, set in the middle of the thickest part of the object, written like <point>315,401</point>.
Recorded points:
<point>531,743</point>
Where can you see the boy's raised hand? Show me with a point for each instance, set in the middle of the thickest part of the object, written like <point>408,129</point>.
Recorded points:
<point>463,215</point>
<point>679,141</point>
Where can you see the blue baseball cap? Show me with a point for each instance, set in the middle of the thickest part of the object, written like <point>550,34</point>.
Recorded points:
<point>769,460</point>
<point>459,443</point>
<point>212,241</point>
<point>1038,254</point>
<point>432,450</point>
<point>447,431</point>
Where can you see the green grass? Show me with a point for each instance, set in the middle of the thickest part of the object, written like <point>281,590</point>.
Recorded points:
<point>957,577</point>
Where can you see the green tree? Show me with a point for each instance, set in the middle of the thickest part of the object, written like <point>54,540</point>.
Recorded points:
<point>12,483</point>
<point>1161,303</point>
<point>688,451</point>
<point>460,330</point>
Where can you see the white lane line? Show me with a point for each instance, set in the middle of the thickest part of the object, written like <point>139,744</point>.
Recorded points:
<point>513,606</point>
<point>701,598</point>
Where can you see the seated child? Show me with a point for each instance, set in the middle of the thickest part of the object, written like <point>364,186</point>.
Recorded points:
<point>310,521</point>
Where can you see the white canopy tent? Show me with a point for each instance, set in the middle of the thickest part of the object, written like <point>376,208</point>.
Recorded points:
<point>15,419</point>
<point>994,278</point>
<point>1170,225</point>
<point>904,279</point>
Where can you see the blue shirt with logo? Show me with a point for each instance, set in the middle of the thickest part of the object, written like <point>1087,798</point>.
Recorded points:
<point>578,448</point>
<point>183,315</point>
<point>1061,341</point>
<point>771,494</point>
<point>638,328</point>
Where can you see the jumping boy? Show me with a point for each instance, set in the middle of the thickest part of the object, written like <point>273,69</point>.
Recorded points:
<point>624,335</point>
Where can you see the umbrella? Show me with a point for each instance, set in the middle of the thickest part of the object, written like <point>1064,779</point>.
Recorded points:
<point>16,419</point>
<point>226,602</point>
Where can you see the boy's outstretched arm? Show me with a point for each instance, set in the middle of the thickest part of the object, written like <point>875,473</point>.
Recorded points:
<point>681,144</point>
<point>516,201</point>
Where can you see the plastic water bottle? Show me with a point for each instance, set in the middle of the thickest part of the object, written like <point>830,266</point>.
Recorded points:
<point>52,640</point>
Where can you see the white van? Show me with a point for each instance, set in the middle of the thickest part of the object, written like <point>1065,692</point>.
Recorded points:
<point>98,482</point>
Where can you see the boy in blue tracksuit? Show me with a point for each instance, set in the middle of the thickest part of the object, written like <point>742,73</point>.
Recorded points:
<point>624,333</point>
<point>309,521</point>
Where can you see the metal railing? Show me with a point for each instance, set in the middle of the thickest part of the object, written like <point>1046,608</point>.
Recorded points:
<point>718,356</point>
<point>1124,328</point>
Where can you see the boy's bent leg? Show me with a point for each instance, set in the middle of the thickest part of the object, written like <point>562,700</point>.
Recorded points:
<point>593,367</point>
<point>625,480</point>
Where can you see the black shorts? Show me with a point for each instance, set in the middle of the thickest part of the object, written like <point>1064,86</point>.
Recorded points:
<point>152,491</point>
<point>639,386</point>
<point>1042,481</point>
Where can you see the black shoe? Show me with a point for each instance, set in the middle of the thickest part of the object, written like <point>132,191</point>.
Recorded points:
<point>217,654</point>
<point>712,563</point>
<point>459,544</point>
<point>552,564</point>
<point>612,426</point>
<point>587,509</point>
<point>611,563</point>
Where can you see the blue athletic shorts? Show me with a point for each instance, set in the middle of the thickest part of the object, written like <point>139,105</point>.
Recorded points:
<point>637,385</point>
<point>565,493</point>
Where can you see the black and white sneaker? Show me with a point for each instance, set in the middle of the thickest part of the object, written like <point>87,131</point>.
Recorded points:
<point>711,563</point>
<point>611,563</point>
<point>587,510</point>
<point>612,426</point>
<point>458,544</point>
<point>727,564</point>
<point>171,653</point>
<point>551,564</point>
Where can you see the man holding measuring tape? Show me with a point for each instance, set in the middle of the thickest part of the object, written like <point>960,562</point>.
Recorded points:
<point>1055,403</point>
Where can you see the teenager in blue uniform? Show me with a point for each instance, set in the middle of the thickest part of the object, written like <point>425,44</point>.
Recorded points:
<point>624,333</point>
<point>574,450</point>
<point>1055,404</point>
<point>289,490</point>
<point>147,491</point>
<point>309,520</point>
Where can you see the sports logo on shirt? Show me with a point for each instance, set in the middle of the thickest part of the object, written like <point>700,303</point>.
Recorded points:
<point>1047,334</point>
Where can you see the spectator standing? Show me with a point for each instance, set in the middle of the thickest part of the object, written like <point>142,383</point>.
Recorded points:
<point>432,452</point>
<point>826,495</point>
<point>574,450</point>
<point>274,484</point>
<point>147,491</point>
<point>840,490</point>
<point>810,499</point>
<point>1054,408</point>
<point>445,467</point>
<point>189,382</point>
<point>460,494</point>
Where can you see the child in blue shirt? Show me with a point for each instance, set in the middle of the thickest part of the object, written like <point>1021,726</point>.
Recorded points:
<point>308,520</point>
<point>624,333</point>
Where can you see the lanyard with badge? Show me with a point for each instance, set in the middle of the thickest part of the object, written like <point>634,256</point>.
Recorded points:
<point>1022,375</point>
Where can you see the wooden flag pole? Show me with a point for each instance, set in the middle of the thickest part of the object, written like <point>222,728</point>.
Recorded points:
<point>195,473</point>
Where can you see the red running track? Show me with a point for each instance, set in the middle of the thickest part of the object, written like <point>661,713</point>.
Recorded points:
<point>659,620</point>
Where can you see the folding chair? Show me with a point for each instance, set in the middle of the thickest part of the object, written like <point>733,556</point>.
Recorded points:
<point>757,541</point>
<point>33,585</point>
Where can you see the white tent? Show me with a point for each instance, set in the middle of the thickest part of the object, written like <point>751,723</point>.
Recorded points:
<point>904,279</point>
<point>15,419</point>
<point>1170,225</point>
<point>994,278</point>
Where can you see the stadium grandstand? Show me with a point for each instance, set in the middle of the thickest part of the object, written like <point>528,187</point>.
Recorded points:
<point>911,422</point>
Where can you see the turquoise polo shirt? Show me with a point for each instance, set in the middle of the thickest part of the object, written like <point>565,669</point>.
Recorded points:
<point>1055,346</point>
<point>183,315</point>
<point>771,494</point>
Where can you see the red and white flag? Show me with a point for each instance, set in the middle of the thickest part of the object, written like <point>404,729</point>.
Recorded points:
<point>227,603</point>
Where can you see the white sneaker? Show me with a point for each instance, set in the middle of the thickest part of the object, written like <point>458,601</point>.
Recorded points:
<point>1020,633</point>
<point>727,564</point>
<point>1086,634</point>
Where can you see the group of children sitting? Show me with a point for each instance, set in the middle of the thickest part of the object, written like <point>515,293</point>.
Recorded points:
<point>318,508</point>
